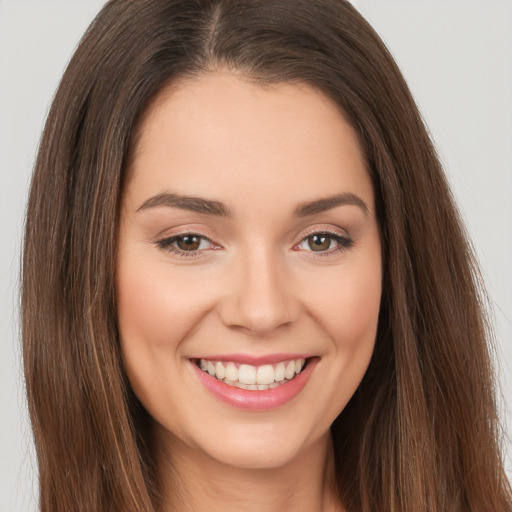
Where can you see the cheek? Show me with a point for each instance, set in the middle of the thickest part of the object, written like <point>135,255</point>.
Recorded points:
<point>156,312</point>
<point>348,313</point>
<point>155,308</point>
<point>355,307</point>
<point>348,307</point>
<point>355,318</point>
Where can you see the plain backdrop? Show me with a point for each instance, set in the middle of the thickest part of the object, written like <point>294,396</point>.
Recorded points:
<point>457,58</point>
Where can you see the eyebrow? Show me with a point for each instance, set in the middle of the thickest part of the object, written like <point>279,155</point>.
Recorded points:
<point>194,204</point>
<point>327,203</point>
<point>210,207</point>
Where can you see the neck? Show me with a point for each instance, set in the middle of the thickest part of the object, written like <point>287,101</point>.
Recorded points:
<point>194,482</point>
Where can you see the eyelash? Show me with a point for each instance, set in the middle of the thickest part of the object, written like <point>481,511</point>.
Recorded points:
<point>344,242</point>
<point>167,245</point>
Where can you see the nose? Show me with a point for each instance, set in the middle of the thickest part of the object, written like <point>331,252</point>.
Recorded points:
<point>259,297</point>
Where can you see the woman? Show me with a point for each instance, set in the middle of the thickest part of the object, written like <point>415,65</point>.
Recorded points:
<point>243,191</point>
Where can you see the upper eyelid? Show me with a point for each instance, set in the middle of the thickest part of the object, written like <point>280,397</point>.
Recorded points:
<point>167,241</point>
<point>336,231</point>
<point>309,232</point>
<point>186,233</point>
<point>165,235</point>
<point>172,238</point>
<point>341,238</point>
<point>304,233</point>
<point>166,244</point>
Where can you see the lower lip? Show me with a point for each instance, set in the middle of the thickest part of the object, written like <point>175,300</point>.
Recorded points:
<point>253,400</point>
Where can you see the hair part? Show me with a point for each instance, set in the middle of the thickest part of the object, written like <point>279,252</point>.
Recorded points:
<point>421,431</point>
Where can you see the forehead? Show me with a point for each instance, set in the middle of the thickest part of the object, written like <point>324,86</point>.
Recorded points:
<point>219,133</point>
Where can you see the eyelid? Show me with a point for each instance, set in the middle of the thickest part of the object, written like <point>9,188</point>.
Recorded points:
<point>345,241</point>
<point>325,229</point>
<point>166,243</point>
<point>328,229</point>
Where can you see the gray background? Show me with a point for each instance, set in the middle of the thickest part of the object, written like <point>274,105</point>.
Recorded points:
<point>456,56</point>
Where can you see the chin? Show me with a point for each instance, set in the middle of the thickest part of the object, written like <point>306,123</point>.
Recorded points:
<point>255,455</point>
<point>262,446</point>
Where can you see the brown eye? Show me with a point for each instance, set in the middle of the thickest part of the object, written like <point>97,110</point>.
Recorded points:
<point>186,245</point>
<point>188,242</point>
<point>319,242</point>
<point>325,243</point>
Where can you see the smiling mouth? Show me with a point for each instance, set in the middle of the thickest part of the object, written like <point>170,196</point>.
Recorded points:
<point>254,378</point>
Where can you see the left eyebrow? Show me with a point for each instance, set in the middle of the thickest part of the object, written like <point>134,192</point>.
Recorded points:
<point>194,204</point>
<point>327,203</point>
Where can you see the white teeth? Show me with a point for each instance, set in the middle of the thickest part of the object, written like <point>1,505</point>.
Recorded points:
<point>231,372</point>
<point>265,374</point>
<point>279,372</point>
<point>241,385</point>
<point>246,376</point>
<point>220,371</point>
<point>290,370</point>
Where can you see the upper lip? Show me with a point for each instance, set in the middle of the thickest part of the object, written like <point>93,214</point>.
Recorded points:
<point>254,360</point>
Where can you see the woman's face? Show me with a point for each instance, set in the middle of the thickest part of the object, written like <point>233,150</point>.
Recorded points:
<point>249,249</point>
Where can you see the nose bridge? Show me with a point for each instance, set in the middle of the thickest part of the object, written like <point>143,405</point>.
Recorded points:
<point>260,297</point>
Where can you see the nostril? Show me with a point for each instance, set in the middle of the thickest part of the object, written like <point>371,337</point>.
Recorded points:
<point>259,303</point>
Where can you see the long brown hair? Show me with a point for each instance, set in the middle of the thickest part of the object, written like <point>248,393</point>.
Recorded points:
<point>421,432</point>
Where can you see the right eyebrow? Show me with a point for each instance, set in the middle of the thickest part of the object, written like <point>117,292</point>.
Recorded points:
<point>327,203</point>
<point>194,204</point>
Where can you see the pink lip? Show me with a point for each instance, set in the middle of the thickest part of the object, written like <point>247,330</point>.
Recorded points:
<point>254,360</point>
<point>256,400</point>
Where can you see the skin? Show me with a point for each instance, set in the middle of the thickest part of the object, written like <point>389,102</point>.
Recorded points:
<point>255,286</point>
